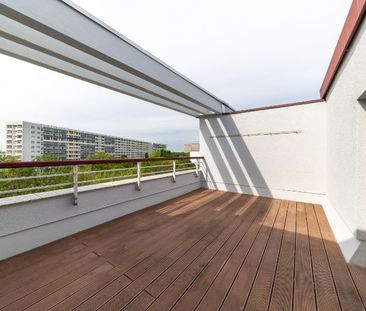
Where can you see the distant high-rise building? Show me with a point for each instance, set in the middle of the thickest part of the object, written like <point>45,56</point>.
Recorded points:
<point>2,153</point>
<point>27,141</point>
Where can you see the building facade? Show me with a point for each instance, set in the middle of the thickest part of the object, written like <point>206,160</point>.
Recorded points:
<point>28,141</point>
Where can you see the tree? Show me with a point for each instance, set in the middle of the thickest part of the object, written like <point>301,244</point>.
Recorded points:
<point>155,154</point>
<point>9,159</point>
<point>100,156</point>
<point>46,157</point>
<point>166,154</point>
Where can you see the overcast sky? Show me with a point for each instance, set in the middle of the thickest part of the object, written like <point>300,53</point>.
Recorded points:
<point>248,53</point>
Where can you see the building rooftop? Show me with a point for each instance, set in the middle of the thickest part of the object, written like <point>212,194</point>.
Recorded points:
<point>227,230</point>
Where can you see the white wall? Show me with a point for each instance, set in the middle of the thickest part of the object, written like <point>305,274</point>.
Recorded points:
<point>30,154</point>
<point>30,221</point>
<point>286,166</point>
<point>324,163</point>
<point>346,137</point>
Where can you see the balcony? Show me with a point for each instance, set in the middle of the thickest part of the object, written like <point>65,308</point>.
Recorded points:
<point>269,216</point>
<point>205,250</point>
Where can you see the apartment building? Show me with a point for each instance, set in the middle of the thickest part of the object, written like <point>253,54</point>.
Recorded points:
<point>27,141</point>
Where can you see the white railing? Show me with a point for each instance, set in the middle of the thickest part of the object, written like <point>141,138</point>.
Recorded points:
<point>19,178</point>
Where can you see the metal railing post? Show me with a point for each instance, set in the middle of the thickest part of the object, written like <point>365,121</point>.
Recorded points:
<point>197,167</point>
<point>174,171</point>
<point>138,175</point>
<point>75,183</point>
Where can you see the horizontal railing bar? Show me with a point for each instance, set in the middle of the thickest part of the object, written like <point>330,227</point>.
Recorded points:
<point>183,169</point>
<point>152,173</point>
<point>34,177</point>
<point>107,178</point>
<point>154,166</point>
<point>88,162</point>
<point>34,188</point>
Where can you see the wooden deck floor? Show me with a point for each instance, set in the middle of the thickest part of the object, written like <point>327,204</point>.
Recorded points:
<point>207,250</point>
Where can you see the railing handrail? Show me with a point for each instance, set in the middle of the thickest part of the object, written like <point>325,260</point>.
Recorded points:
<point>89,162</point>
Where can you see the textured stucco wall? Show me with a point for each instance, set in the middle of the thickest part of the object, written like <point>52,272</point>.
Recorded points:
<point>346,137</point>
<point>289,164</point>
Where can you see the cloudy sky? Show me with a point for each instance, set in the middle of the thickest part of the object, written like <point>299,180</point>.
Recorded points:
<point>249,53</point>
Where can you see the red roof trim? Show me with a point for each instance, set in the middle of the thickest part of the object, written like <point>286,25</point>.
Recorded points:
<point>353,21</point>
<point>276,106</point>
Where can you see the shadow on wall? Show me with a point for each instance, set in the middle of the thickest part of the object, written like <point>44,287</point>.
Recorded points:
<point>231,159</point>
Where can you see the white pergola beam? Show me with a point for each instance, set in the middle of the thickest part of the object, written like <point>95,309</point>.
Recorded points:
<point>60,36</point>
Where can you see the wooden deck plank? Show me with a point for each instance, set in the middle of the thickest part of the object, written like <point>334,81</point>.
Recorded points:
<point>113,279</point>
<point>28,295</point>
<point>93,235</point>
<point>122,298</point>
<point>36,256</point>
<point>206,250</point>
<point>161,283</point>
<point>260,294</point>
<point>219,234</point>
<point>282,293</point>
<point>142,223</point>
<point>19,278</point>
<point>143,244</point>
<point>70,289</point>
<point>304,293</point>
<point>112,247</point>
<point>115,236</point>
<point>241,286</point>
<point>326,294</point>
<point>141,302</point>
<point>171,295</point>
<point>32,280</point>
<point>218,270</point>
<point>347,292</point>
<point>359,276</point>
<point>146,250</point>
<point>142,267</point>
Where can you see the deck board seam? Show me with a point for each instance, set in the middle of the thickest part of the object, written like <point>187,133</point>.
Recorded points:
<point>278,258</point>
<point>311,260</point>
<point>294,269</point>
<point>128,277</point>
<point>261,260</point>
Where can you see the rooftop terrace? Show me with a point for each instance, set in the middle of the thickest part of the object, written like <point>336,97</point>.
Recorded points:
<point>206,250</point>
<point>225,230</point>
